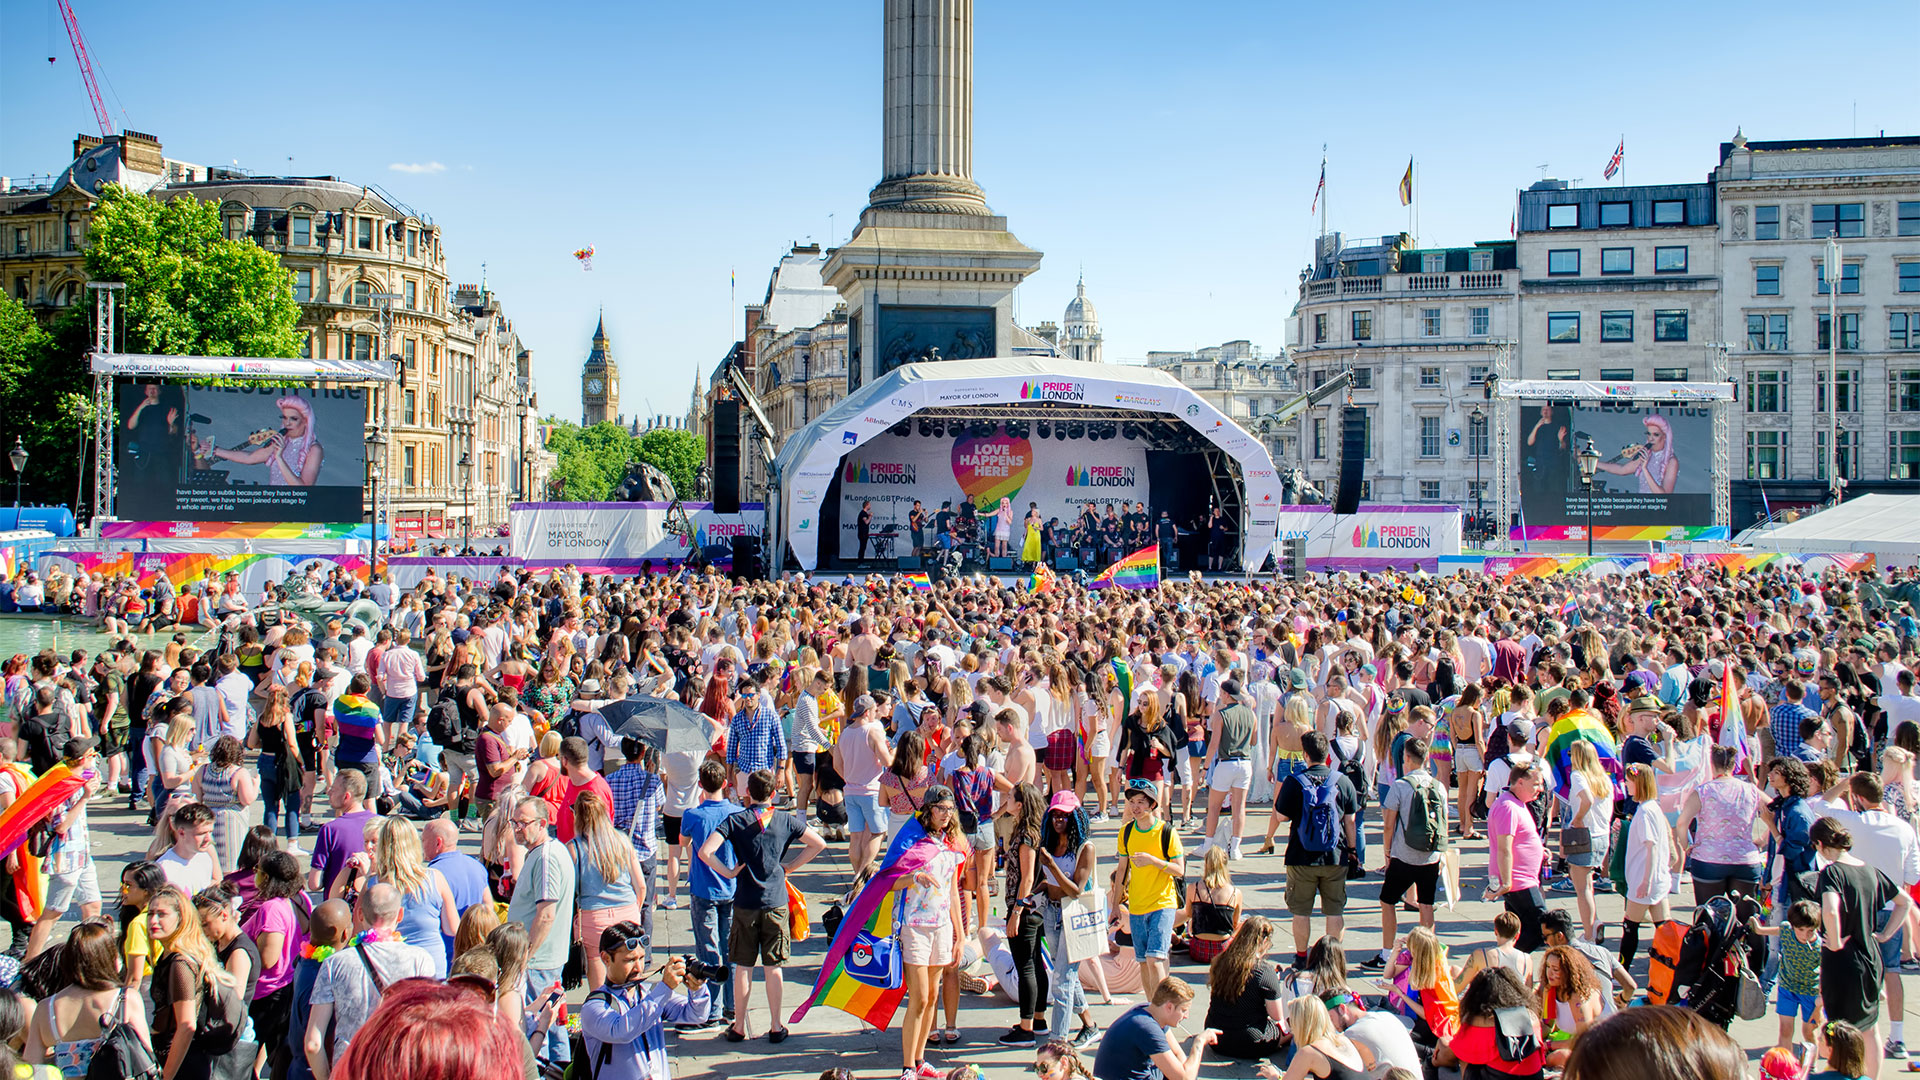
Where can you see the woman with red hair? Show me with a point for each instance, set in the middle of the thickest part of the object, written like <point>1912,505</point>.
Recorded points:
<point>426,1030</point>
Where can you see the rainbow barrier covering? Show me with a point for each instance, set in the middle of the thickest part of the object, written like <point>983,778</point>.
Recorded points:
<point>256,568</point>
<point>1622,534</point>
<point>233,530</point>
<point>1535,566</point>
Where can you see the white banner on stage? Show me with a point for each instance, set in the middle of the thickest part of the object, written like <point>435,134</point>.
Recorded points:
<point>1377,535</point>
<point>1580,390</point>
<point>258,367</point>
<point>891,471</point>
<point>620,534</point>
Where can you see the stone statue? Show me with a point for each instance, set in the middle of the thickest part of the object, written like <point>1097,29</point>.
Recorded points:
<point>1796,225</point>
<point>1739,223</point>
<point>1882,223</point>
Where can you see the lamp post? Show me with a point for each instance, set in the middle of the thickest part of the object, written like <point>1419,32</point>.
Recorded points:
<point>1834,273</point>
<point>520,477</point>
<point>1589,464</point>
<point>376,459</point>
<point>1477,421</point>
<point>466,502</point>
<point>17,455</point>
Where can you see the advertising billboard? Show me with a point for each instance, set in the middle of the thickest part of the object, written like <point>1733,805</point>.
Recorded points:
<point>1656,464</point>
<point>239,453</point>
<point>890,471</point>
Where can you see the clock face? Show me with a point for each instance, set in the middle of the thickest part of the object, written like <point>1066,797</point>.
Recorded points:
<point>594,386</point>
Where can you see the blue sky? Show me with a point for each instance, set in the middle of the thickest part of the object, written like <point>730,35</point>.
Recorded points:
<point>1170,150</point>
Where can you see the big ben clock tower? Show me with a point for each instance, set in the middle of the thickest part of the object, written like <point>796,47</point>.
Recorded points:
<point>599,380</point>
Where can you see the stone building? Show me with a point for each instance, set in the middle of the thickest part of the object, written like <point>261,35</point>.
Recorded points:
<point>1243,382</point>
<point>599,380</point>
<point>1778,203</point>
<point>1421,328</point>
<point>369,274</point>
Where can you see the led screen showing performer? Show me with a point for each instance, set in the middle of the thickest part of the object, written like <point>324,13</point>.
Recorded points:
<point>202,453</point>
<point>1655,464</point>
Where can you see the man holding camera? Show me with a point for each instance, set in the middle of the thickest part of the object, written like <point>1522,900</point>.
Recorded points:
<point>624,1023</point>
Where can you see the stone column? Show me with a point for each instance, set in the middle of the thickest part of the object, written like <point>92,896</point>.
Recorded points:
<point>927,110</point>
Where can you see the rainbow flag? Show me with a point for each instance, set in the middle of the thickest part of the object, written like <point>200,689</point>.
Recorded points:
<point>1042,579</point>
<point>358,717</point>
<point>919,580</point>
<point>1123,677</point>
<point>871,917</point>
<point>1579,725</point>
<point>1140,570</point>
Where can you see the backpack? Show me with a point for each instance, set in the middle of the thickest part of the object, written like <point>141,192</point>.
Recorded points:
<point>1663,962</point>
<point>1320,818</point>
<point>584,1065</point>
<point>443,724</point>
<point>1515,1033</point>
<point>1426,827</point>
<point>121,1054</point>
<point>1350,768</point>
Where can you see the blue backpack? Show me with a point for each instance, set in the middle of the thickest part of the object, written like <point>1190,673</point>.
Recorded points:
<point>1320,820</point>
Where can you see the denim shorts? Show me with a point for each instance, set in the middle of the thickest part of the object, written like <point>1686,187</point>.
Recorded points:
<point>1787,1003</point>
<point>1152,934</point>
<point>1890,948</point>
<point>864,814</point>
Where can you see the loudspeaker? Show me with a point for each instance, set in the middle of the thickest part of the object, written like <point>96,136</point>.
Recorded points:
<point>1353,459</point>
<point>1065,562</point>
<point>746,558</point>
<point>726,457</point>
<point>1293,558</point>
<point>907,562</point>
<point>996,564</point>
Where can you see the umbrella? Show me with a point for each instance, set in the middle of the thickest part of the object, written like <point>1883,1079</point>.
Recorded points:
<point>662,723</point>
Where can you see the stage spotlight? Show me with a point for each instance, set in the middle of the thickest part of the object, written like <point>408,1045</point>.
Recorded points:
<point>1046,430</point>
<point>939,430</point>
<point>1130,432</point>
<point>904,427</point>
<point>926,429</point>
<point>1076,430</point>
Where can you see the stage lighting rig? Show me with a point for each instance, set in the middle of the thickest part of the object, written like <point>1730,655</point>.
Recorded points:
<point>939,429</point>
<point>904,427</point>
<point>1129,431</point>
<point>926,429</point>
<point>1046,430</point>
<point>1076,430</point>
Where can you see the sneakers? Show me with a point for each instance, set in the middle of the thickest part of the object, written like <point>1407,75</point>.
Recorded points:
<point>1018,1036</point>
<point>1911,963</point>
<point>1040,1024</point>
<point>1374,962</point>
<point>927,1072</point>
<point>1896,1050</point>
<point>1100,817</point>
<point>1086,1036</point>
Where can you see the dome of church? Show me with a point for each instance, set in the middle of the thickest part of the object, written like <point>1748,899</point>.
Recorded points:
<point>1080,309</point>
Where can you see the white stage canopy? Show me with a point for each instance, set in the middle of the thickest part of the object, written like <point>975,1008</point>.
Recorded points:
<point>809,459</point>
<point>1885,525</point>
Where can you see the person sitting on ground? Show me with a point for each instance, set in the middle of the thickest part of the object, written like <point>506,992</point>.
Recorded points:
<point>1476,1043</point>
<point>1136,1045</point>
<point>1320,1049</point>
<point>1243,988</point>
<point>1506,930</point>
<point>1213,908</point>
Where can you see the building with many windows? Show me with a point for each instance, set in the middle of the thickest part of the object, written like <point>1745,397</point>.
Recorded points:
<point>1243,382</point>
<point>1778,204</point>
<point>369,274</point>
<point>1421,328</point>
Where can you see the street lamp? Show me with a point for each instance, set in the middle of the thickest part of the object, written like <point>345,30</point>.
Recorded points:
<point>466,502</point>
<point>17,455</point>
<point>1476,423</point>
<point>376,458</point>
<point>520,477</point>
<point>1589,464</point>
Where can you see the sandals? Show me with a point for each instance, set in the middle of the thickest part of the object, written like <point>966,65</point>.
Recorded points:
<point>950,1036</point>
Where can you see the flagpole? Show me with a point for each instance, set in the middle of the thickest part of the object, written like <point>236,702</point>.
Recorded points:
<point>1623,159</point>
<point>1323,190</point>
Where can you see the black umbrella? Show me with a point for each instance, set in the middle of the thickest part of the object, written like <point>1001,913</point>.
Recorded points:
<point>662,723</point>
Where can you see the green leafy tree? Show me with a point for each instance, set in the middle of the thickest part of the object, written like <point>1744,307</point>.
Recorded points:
<point>44,398</point>
<point>676,453</point>
<point>591,461</point>
<point>190,290</point>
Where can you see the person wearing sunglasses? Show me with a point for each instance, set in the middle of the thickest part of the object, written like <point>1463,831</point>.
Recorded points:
<point>624,1021</point>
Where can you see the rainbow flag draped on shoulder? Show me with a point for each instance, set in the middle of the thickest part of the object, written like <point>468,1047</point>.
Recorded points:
<point>1578,726</point>
<point>853,974</point>
<point>358,717</point>
<point>1140,570</point>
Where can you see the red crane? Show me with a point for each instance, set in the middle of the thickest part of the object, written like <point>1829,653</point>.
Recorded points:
<point>86,67</point>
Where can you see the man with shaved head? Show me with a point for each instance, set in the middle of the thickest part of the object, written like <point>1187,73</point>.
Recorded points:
<point>352,980</point>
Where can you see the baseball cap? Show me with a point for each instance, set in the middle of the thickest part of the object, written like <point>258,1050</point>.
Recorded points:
<point>1066,801</point>
<point>75,749</point>
<point>1144,788</point>
<point>1297,680</point>
<point>1520,730</point>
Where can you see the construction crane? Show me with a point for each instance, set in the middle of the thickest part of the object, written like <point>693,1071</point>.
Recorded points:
<point>86,68</point>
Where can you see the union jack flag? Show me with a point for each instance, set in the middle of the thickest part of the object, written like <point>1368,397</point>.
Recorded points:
<point>1619,156</point>
<point>1320,188</point>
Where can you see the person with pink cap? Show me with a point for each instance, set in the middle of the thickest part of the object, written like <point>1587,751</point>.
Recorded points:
<point>1065,866</point>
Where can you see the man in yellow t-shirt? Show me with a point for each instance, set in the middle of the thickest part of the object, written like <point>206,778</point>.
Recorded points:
<point>1152,860</point>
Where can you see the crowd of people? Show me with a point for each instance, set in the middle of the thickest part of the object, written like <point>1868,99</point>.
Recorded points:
<point>452,832</point>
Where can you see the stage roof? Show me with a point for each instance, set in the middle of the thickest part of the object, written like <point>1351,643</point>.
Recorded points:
<point>807,462</point>
<point>1883,524</point>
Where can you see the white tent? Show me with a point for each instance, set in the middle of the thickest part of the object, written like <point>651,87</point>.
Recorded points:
<point>1886,525</point>
<point>809,459</point>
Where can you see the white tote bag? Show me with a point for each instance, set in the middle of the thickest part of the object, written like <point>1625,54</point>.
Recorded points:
<point>1084,925</point>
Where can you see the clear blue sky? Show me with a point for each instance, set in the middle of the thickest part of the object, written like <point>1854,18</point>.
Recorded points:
<point>1171,150</point>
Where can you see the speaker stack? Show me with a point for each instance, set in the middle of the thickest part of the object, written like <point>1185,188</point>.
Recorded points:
<point>1353,460</point>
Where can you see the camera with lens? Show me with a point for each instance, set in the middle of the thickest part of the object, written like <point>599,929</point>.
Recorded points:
<point>700,971</point>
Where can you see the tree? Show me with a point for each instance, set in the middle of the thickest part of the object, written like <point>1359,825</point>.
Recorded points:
<point>44,397</point>
<point>190,290</point>
<point>591,461</point>
<point>676,453</point>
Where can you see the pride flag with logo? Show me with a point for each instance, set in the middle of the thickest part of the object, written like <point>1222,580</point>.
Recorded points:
<point>919,580</point>
<point>1140,570</point>
<point>848,979</point>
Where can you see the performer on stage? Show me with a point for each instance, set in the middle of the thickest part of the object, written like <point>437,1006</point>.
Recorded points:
<point>863,525</point>
<point>1051,539</point>
<point>1139,527</point>
<point>1217,543</point>
<point>1002,527</point>
<point>1165,532</point>
<point>916,522</point>
<point>1111,538</point>
<point>292,454</point>
<point>1653,463</point>
<point>1030,547</point>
